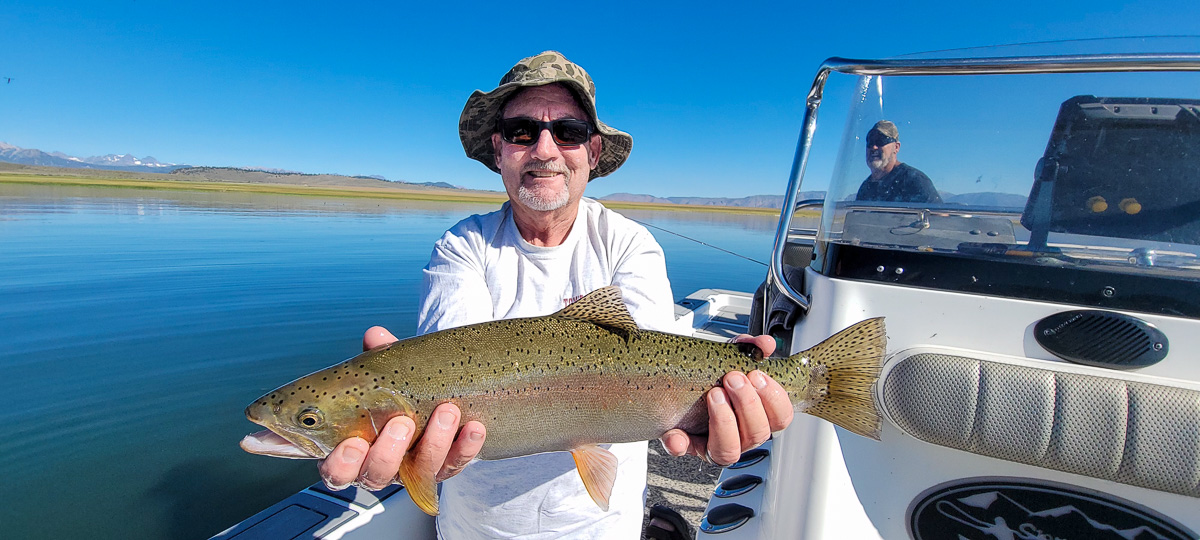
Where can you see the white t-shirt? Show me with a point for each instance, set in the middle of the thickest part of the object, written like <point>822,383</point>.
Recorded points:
<point>482,270</point>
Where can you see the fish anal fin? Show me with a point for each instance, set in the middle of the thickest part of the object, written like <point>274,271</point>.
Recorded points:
<point>420,486</point>
<point>602,307</point>
<point>598,470</point>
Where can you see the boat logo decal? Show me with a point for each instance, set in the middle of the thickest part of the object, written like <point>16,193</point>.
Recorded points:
<point>1024,508</point>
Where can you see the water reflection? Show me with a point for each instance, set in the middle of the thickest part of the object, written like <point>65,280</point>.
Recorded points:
<point>29,198</point>
<point>759,222</point>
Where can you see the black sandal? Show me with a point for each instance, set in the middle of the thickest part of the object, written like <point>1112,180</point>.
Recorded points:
<point>667,524</point>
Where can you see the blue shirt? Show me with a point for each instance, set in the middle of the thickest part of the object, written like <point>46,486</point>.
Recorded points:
<point>903,184</point>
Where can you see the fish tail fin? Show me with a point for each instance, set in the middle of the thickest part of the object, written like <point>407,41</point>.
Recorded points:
<point>842,374</point>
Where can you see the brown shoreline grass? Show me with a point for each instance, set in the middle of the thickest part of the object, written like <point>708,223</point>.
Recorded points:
<point>424,194</point>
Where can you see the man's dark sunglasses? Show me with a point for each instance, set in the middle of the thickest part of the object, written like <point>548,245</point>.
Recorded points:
<point>525,131</point>
<point>879,139</point>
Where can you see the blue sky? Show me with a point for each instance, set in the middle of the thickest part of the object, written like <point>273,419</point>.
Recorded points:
<point>712,93</point>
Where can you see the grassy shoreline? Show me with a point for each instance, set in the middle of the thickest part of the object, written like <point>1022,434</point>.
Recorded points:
<point>400,193</point>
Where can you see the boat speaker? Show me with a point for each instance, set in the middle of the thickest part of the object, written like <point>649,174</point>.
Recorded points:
<point>1101,339</point>
<point>1136,433</point>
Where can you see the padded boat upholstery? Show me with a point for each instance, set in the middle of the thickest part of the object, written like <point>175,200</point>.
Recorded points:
<point>1135,433</point>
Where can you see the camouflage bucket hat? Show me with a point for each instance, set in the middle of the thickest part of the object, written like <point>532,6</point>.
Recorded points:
<point>479,116</point>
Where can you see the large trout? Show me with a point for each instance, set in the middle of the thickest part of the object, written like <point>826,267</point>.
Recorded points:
<point>570,381</point>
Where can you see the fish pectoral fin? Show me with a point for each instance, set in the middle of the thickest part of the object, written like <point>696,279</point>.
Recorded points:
<point>383,404</point>
<point>420,486</point>
<point>598,470</point>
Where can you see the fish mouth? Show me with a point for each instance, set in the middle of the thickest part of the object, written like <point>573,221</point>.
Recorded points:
<point>269,443</point>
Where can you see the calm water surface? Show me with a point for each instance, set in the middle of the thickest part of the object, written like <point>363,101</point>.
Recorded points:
<point>136,325</point>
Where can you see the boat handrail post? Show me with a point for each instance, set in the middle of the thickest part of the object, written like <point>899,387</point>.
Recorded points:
<point>803,147</point>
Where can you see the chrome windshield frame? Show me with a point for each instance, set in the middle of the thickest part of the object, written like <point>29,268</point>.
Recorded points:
<point>1084,63</point>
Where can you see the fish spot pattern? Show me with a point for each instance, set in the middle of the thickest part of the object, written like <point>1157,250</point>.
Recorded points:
<point>565,361</point>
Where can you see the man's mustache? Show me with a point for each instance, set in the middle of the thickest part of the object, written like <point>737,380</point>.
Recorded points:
<point>544,166</point>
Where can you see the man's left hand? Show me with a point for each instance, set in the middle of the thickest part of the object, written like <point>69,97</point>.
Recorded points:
<point>742,413</point>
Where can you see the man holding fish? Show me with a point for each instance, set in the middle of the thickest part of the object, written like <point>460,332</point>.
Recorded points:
<point>546,247</point>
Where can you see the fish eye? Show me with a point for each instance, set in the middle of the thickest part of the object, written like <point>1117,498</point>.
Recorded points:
<point>310,418</point>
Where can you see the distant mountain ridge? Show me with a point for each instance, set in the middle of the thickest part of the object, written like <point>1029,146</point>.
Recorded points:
<point>130,163</point>
<point>275,176</point>
<point>112,162</point>
<point>1005,200</point>
<point>986,198</point>
<point>752,201</point>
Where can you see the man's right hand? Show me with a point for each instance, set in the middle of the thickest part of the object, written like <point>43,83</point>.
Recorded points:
<point>439,451</point>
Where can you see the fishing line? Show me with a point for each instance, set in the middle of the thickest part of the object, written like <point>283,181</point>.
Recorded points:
<point>699,242</point>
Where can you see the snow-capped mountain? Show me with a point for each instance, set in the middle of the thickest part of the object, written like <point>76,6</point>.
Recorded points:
<point>125,160</point>
<point>116,162</point>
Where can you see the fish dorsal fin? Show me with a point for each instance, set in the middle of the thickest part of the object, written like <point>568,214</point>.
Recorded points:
<point>420,485</point>
<point>603,307</point>
<point>598,470</point>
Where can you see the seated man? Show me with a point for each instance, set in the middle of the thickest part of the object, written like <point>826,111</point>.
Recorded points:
<point>890,179</point>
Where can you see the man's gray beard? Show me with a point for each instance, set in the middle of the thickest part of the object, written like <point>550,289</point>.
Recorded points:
<point>543,204</point>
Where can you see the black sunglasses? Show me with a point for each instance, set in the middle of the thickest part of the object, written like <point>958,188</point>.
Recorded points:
<point>879,139</point>
<point>525,131</point>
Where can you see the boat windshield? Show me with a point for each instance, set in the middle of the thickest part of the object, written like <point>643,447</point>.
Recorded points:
<point>1071,169</point>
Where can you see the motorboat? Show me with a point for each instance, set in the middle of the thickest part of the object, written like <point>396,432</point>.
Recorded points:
<point>1041,313</point>
<point>1038,381</point>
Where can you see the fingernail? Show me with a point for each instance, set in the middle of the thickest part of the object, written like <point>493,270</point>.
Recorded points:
<point>667,445</point>
<point>367,483</point>
<point>717,396</point>
<point>735,382</point>
<point>474,436</point>
<point>758,380</point>
<point>351,454</point>
<point>397,430</point>
<point>445,419</point>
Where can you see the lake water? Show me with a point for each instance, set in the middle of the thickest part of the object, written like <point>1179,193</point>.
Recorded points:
<point>136,325</point>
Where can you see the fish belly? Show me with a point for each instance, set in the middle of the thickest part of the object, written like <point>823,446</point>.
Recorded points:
<point>551,418</point>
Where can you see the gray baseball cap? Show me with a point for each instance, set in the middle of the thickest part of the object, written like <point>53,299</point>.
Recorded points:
<point>885,128</point>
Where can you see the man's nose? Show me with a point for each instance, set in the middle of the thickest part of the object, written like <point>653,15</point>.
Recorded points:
<point>545,145</point>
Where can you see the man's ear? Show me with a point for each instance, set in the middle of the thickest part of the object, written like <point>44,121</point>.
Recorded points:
<point>595,145</point>
<point>496,149</point>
